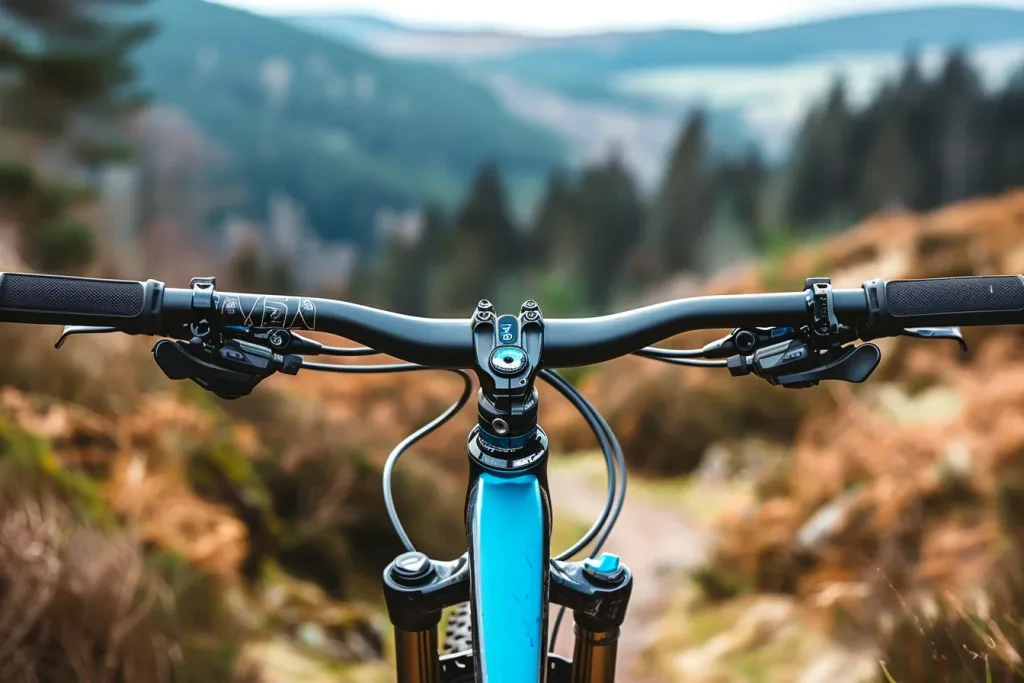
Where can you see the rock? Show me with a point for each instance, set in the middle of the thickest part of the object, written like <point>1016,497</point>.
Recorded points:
<point>825,523</point>
<point>838,665</point>
<point>935,405</point>
<point>955,465</point>
<point>341,632</point>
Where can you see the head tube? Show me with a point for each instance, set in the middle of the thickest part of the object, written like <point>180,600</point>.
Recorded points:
<point>509,529</point>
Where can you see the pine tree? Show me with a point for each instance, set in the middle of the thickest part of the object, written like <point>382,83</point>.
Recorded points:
<point>483,245</point>
<point>402,277</point>
<point>70,63</point>
<point>613,214</point>
<point>822,176</point>
<point>740,183</point>
<point>683,208</point>
<point>409,264</point>
<point>957,102</point>
<point>888,169</point>
<point>1004,163</point>
<point>67,82</point>
<point>558,228</point>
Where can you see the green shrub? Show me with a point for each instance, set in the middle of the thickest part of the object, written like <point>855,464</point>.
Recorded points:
<point>64,245</point>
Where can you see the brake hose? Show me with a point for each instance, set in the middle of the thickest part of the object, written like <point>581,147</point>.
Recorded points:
<point>688,357</point>
<point>600,428</point>
<point>580,403</point>
<point>349,352</point>
<point>409,441</point>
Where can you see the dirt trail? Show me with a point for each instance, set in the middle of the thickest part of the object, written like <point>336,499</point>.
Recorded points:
<point>648,537</point>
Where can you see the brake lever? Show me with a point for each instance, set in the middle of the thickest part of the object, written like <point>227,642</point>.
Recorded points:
<point>230,372</point>
<point>796,366</point>
<point>178,361</point>
<point>953,333</point>
<point>70,330</point>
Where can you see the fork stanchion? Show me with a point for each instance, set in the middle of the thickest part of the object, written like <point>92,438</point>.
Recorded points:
<point>593,658</point>
<point>416,659</point>
<point>416,589</point>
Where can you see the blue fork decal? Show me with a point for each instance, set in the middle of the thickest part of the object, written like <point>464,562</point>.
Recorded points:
<point>509,550</point>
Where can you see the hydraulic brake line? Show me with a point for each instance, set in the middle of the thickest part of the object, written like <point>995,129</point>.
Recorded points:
<point>412,439</point>
<point>368,369</point>
<point>692,363</point>
<point>604,438</point>
<point>408,442</point>
<point>656,353</point>
<point>348,352</point>
<point>687,357</point>
<point>600,428</point>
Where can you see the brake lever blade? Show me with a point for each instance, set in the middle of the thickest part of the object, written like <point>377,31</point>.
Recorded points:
<point>175,360</point>
<point>953,333</point>
<point>80,329</point>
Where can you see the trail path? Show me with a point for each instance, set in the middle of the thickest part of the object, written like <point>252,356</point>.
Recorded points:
<point>649,536</point>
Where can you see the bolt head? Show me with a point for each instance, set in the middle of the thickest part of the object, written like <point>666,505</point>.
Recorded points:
<point>411,568</point>
<point>279,338</point>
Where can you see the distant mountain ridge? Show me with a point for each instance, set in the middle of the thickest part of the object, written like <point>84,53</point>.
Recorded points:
<point>631,88</point>
<point>873,31</point>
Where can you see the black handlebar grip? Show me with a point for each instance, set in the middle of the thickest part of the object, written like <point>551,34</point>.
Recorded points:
<point>980,300</point>
<point>64,300</point>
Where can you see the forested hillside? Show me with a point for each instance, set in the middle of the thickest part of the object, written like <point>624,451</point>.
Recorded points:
<point>341,131</point>
<point>597,239</point>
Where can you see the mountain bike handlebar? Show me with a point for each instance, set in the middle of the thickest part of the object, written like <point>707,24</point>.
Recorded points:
<point>150,307</point>
<point>228,342</point>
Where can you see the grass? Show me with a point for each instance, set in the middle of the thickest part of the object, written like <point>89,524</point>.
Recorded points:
<point>690,637</point>
<point>566,530</point>
<point>890,679</point>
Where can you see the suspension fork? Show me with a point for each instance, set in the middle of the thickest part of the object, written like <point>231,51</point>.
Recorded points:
<point>597,591</point>
<point>503,576</point>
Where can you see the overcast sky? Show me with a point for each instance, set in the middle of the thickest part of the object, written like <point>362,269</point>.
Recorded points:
<point>559,16</point>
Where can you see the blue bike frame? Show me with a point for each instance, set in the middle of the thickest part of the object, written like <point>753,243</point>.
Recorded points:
<point>508,523</point>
